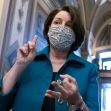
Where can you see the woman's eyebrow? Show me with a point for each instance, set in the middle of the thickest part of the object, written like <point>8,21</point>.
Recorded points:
<point>69,21</point>
<point>56,18</point>
<point>61,19</point>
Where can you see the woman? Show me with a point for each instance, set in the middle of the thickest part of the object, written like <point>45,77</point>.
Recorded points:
<point>54,79</point>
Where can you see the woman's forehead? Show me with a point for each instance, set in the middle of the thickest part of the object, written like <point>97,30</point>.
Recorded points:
<point>63,15</point>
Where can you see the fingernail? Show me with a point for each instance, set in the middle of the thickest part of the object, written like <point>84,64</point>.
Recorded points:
<point>61,75</point>
<point>45,94</point>
<point>31,47</point>
<point>36,36</point>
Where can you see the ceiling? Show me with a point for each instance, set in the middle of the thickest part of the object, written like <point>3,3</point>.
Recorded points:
<point>96,17</point>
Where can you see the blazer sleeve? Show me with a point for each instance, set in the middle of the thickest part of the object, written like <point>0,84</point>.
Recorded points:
<point>92,96</point>
<point>6,101</point>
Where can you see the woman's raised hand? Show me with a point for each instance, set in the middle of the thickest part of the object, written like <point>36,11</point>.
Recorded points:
<point>26,53</point>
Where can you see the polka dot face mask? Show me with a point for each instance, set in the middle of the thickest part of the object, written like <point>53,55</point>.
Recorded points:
<point>61,37</point>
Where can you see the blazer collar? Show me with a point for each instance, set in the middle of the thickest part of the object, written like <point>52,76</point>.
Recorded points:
<point>71,56</point>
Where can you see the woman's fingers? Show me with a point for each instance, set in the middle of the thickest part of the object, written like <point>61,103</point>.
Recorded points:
<point>60,89</point>
<point>28,48</point>
<point>70,79</point>
<point>32,43</point>
<point>24,49</point>
<point>52,94</point>
<point>49,95</point>
<point>65,76</point>
<point>35,38</point>
<point>67,91</point>
<point>67,84</point>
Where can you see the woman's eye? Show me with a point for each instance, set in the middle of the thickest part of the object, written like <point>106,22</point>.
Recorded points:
<point>56,22</point>
<point>69,24</point>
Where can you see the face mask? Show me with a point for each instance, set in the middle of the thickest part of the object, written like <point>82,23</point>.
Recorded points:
<point>61,38</point>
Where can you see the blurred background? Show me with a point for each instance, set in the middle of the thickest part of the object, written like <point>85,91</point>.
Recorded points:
<point>20,20</point>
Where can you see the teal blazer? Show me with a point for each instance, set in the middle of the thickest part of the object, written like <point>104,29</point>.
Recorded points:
<point>29,92</point>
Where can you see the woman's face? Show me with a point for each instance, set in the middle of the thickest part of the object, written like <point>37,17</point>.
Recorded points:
<point>62,18</point>
<point>60,34</point>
